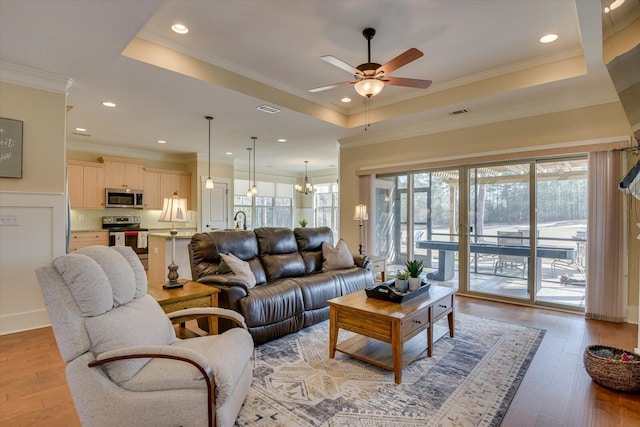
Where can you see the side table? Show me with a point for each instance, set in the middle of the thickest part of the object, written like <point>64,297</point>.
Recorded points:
<point>191,295</point>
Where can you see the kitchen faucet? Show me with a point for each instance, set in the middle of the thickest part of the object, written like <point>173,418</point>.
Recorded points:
<point>244,219</point>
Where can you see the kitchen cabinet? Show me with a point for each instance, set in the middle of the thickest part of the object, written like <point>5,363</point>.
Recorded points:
<point>81,239</point>
<point>86,183</point>
<point>161,183</point>
<point>123,173</point>
<point>152,195</point>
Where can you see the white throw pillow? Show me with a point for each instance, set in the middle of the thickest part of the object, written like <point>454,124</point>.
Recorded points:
<point>335,259</point>
<point>240,268</point>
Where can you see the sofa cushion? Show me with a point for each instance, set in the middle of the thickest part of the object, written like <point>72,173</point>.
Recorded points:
<point>283,265</point>
<point>336,258</point>
<point>228,355</point>
<point>272,303</point>
<point>205,250</point>
<point>278,252</point>
<point>118,271</point>
<point>240,268</point>
<point>87,283</point>
<point>140,322</point>
<point>310,241</point>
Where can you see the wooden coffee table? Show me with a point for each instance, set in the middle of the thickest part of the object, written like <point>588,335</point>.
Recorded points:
<point>191,295</point>
<point>390,335</point>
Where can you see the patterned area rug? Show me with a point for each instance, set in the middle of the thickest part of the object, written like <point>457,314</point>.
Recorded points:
<point>470,380</point>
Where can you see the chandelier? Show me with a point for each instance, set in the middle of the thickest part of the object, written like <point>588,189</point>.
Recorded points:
<point>307,187</point>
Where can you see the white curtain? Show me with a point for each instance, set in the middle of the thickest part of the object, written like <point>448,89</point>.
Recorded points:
<point>605,264</point>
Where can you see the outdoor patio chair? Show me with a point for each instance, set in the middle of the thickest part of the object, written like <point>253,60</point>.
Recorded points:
<point>511,238</point>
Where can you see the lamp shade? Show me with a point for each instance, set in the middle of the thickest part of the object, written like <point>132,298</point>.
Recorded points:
<point>361,213</point>
<point>208,184</point>
<point>369,87</point>
<point>174,209</point>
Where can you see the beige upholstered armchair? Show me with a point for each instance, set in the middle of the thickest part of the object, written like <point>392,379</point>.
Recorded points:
<point>125,366</point>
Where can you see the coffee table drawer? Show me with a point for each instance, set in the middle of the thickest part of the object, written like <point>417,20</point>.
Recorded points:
<point>415,322</point>
<point>192,303</point>
<point>440,308</point>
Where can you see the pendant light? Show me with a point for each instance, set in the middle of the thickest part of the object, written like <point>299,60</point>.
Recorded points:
<point>307,187</point>
<point>249,193</point>
<point>208,184</point>
<point>254,189</point>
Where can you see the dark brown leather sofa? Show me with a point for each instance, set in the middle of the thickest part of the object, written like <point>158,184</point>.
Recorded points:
<point>291,289</point>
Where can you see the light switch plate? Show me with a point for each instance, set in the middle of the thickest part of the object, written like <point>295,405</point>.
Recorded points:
<point>9,219</point>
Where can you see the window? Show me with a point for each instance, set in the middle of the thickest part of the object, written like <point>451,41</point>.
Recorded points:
<point>271,207</point>
<point>326,205</point>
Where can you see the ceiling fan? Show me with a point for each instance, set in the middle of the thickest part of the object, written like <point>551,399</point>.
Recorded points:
<point>370,78</point>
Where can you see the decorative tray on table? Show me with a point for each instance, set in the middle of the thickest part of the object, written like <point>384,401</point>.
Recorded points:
<point>388,292</point>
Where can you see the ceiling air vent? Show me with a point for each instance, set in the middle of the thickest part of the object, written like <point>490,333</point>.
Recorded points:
<point>268,109</point>
<point>455,113</point>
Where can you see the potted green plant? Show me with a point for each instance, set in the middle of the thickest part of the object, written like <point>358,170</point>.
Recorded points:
<point>402,283</point>
<point>303,223</point>
<point>414,268</point>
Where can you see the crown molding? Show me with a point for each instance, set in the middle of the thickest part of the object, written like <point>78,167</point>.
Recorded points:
<point>37,79</point>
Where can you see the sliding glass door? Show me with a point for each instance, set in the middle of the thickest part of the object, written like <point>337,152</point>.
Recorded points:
<point>499,246</point>
<point>561,197</point>
<point>420,216</point>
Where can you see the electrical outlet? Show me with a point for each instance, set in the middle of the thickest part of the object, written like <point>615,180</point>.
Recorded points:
<point>81,218</point>
<point>155,250</point>
<point>9,219</point>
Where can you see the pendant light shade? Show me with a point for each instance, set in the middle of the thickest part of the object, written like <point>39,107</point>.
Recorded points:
<point>208,184</point>
<point>254,189</point>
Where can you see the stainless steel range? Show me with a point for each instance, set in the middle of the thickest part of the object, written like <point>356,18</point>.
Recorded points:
<point>126,231</point>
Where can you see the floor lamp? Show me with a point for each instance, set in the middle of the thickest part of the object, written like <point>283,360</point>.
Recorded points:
<point>361,215</point>
<point>174,209</point>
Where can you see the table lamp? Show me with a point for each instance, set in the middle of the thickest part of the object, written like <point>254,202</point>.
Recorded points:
<point>174,209</point>
<point>361,215</point>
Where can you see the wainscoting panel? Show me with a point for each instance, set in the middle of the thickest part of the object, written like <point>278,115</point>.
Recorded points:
<point>33,234</point>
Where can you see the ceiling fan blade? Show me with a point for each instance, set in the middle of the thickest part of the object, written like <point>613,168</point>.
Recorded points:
<point>400,61</point>
<point>401,81</point>
<point>340,64</point>
<point>320,89</point>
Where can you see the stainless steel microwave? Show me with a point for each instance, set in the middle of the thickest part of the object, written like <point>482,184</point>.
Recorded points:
<point>124,198</point>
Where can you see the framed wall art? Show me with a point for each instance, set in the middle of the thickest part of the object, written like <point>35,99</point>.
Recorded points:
<point>10,148</point>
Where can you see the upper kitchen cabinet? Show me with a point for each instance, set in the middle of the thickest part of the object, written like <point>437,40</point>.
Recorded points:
<point>123,173</point>
<point>161,183</point>
<point>86,184</point>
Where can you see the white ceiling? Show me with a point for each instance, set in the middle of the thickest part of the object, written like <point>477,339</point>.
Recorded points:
<point>278,43</point>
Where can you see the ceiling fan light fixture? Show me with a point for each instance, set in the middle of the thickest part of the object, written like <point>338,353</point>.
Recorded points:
<point>369,87</point>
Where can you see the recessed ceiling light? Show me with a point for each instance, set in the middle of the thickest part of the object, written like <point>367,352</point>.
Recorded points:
<point>81,129</point>
<point>346,99</point>
<point>109,104</point>
<point>282,140</point>
<point>548,38</point>
<point>180,28</point>
<point>160,141</point>
<point>228,153</point>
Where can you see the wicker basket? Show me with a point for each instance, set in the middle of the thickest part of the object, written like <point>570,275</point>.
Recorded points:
<point>613,374</point>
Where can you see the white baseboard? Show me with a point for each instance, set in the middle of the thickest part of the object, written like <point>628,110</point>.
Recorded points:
<point>19,322</point>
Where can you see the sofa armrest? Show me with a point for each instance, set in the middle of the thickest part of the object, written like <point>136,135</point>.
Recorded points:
<point>223,280</point>
<point>362,261</point>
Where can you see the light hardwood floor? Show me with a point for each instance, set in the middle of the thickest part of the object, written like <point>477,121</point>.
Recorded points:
<point>556,390</point>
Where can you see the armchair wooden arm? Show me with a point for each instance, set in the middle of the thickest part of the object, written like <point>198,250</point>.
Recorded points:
<point>167,352</point>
